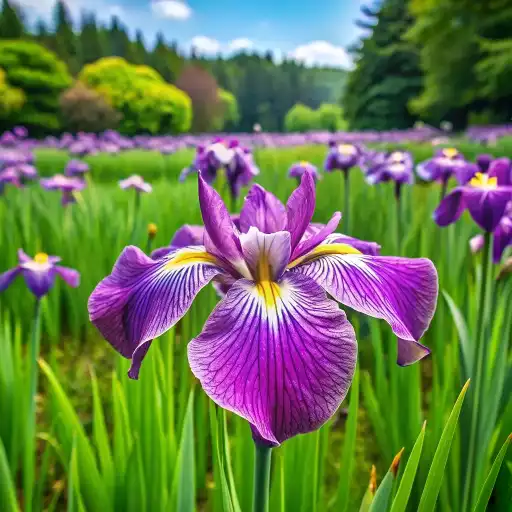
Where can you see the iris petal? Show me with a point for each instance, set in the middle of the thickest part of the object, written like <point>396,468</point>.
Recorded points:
<point>285,366</point>
<point>143,298</point>
<point>39,282</point>
<point>401,291</point>
<point>8,277</point>
<point>266,255</point>
<point>450,209</point>
<point>487,207</point>
<point>300,208</point>
<point>70,276</point>
<point>262,210</point>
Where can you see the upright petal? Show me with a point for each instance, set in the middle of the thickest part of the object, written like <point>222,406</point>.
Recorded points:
<point>283,361</point>
<point>263,210</point>
<point>401,291</point>
<point>188,235</point>
<point>220,237</point>
<point>317,238</point>
<point>487,207</point>
<point>371,248</point>
<point>266,254</point>
<point>502,238</point>
<point>450,209</point>
<point>143,298</point>
<point>70,276</point>
<point>501,168</point>
<point>8,277</point>
<point>300,208</point>
<point>23,257</point>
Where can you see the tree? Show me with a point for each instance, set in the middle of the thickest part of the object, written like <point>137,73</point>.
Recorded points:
<point>300,119</point>
<point>86,110</point>
<point>386,74</point>
<point>146,102</point>
<point>203,91</point>
<point>90,40</point>
<point>42,77</point>
<point>229,115</point>
<point>330,117</point>
<point>65,39</point>
<point>11,22</point>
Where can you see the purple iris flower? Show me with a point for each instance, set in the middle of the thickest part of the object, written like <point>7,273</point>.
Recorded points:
<point>299,168</point>
<point>277,350</point>
<point>76,168</point>
<point>136,182</point>
<point>342,157</point>
<point>396,166</point>
<point>9,176</point>
<point>68,186</point>
<point>446,163</point>
<point>210,159</point>
<point>39,273</point>
<point>241,170</point>
<point>485,196</point>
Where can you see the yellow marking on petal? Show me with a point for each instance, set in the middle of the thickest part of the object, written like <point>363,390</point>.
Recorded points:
<point>346,149</point>
<point>304,163</point>
<point>186,257</point>
<point>263,270</point>
<point>41,258</point>
<point>269,291</point>
<point>450,152</point>
<point>481,180</point>
<point>325,250</point>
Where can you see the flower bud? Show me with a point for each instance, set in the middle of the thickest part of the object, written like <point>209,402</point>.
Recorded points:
<point>152,230</point>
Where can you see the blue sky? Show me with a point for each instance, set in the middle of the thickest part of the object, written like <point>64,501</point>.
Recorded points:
<point>315,31</point>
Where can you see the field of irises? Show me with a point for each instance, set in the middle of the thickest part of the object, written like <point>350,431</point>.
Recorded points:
<point>278,356</point>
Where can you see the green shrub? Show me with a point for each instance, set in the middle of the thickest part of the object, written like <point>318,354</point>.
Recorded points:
<point>300,119</point>
<point>11,98</point>
<point>145,101</point>
<point>41,76</point>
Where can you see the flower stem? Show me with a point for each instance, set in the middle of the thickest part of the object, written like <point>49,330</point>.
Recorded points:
<point>261,477</point>
<point>30,438</point>
<point>478,369</point>
<point>398,219</point>
<point>135,218</point>
<point>346,203</point>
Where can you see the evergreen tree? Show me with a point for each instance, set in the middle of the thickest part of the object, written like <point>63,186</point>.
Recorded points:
<point>11,21</point>
<point>90,40</point>
<point>66,45</point>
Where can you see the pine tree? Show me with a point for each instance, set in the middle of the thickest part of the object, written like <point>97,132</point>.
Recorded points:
<point>65,39</point>
<point>11,21</point>
<point>90,41</point>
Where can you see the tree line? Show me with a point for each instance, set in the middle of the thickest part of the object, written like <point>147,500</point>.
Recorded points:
<point>229,93</point>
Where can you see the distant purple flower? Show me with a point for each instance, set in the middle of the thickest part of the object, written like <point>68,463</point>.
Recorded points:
<point>20,131</point>
<point>68,186</point>
<point>299,168</point>
<point>446,163</point>
<point>39,273</point>
<point>136,182</point>
<point>342,157</point>
<point>277,350</point>
<point>396,166</point>
<point>9,176</point>
<point>241,170</point>
<point>485,196</point>
<point>76,168</point>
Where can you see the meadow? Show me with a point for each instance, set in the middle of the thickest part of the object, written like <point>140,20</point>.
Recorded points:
<point>105,443</point>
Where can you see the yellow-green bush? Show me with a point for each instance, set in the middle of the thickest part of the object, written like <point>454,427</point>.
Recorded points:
<point>11,99</point>
<point>146,102</point>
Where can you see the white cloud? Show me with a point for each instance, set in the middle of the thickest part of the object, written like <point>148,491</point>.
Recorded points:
<point>174,9</point>
<point>241,43</point>
<point>205,44</point>
<point>322,53</point>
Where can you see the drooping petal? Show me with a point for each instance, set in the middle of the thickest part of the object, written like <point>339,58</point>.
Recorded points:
<point>282,358</point>
<point>161,252</point>
<point>143,298</point>
<point>371,248</point>
<point>263,210</point>
<point>451,207</point>
<point>69,275</point>
<point>487,207</point>
<point>300,208</point>
<point>220,237</point>
<point>502,238</point>
<point>401,291</point>
<point>317,238</point>
<point>266,254</point>
<point>39,282</point>
<point>409,352</point>
<point>8,277</point>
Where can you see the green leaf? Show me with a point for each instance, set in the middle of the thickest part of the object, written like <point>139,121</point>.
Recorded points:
<point>462,330</point>
<point>382,496</point>
<point>185,479</point>
<point>404,491</point>
<point>349,447</point>
<point>436,473</point>
<point>488,486</point>
<point>7,489</point>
